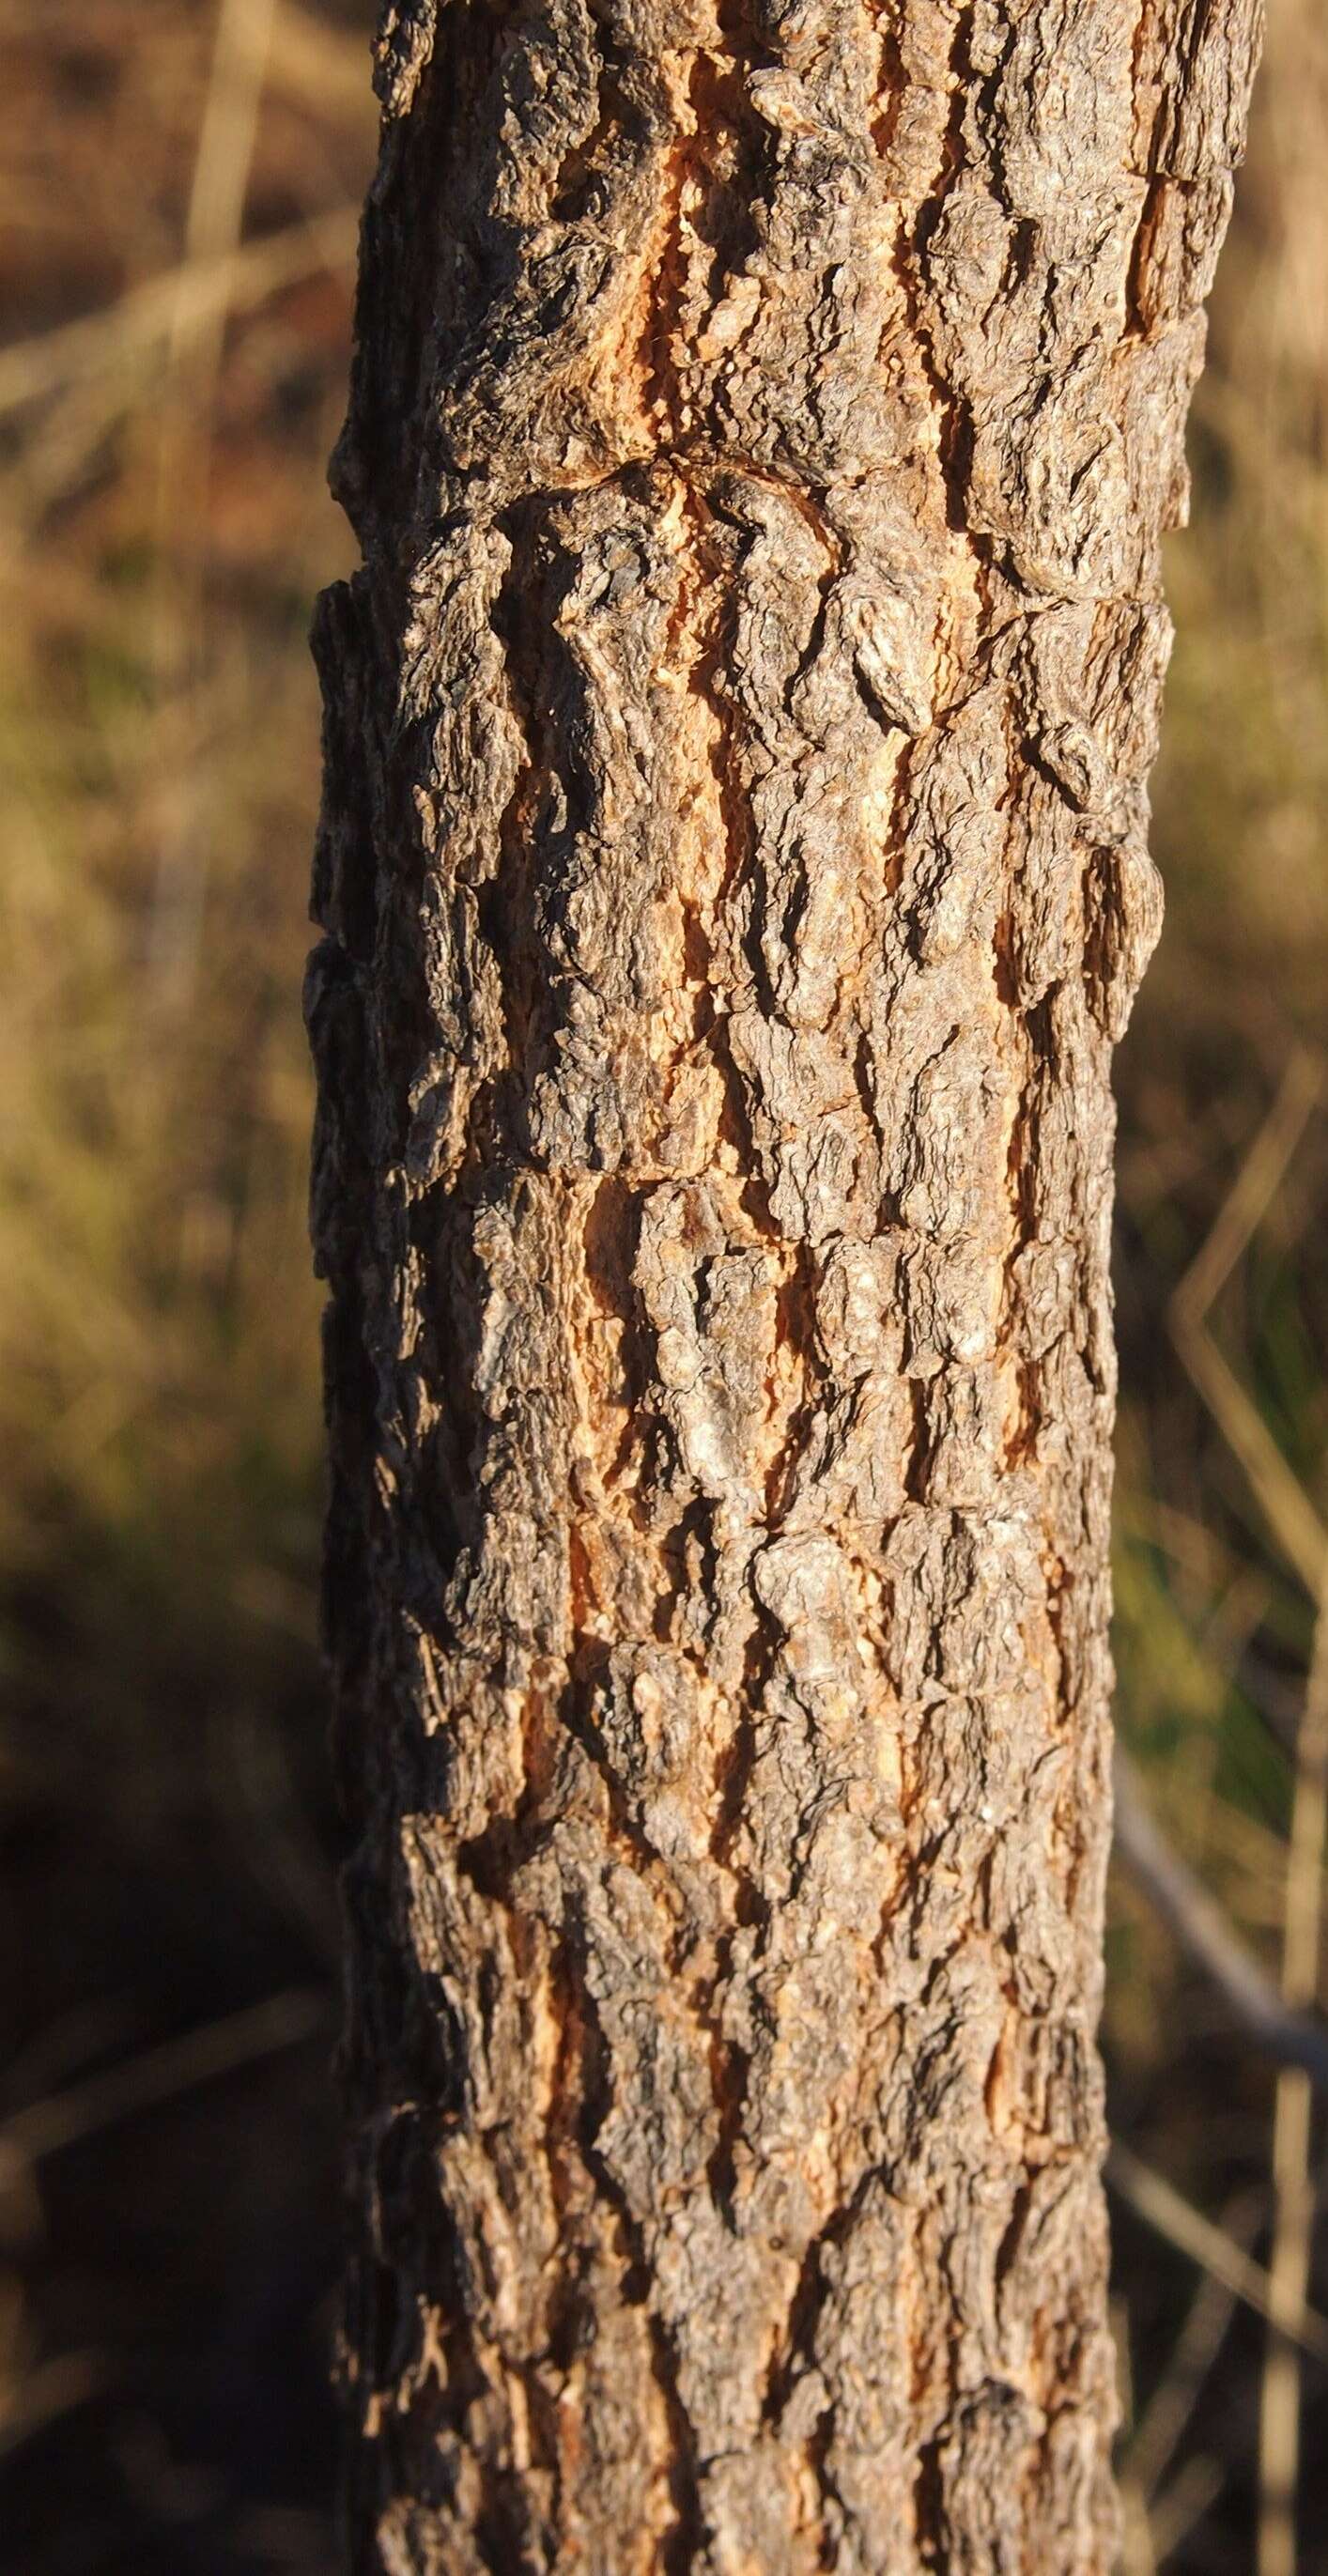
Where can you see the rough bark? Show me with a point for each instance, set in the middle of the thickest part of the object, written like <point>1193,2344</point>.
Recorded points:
<point>734,876</point>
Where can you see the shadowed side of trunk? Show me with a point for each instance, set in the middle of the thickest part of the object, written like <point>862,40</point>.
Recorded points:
<point>734,876</point>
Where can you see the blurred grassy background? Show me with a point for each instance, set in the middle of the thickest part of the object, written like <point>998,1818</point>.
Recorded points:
<point>167,2170</point>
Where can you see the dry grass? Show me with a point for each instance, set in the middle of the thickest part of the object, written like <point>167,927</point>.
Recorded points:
<point>175,281</point>
<point>175,387</point>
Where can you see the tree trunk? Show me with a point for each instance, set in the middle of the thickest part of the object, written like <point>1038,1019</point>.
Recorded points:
<point>734,876</point>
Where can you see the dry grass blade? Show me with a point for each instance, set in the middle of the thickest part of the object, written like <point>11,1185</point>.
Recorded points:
<point>1187,2500</point>
<point>1289,2263</point>
<point>145,317</point>
<point>1255,1186</point>
<point>1171,2216</point>
<point>1138,2556</point>
<point>1153,2443</point>
<point>215,221</point>
<point>318,67</point>
<point>158,2074</point>
<point>1288,1509</point>
<point>1136,2540</point>
<point>221,167</point>
<point>1286,1506</point>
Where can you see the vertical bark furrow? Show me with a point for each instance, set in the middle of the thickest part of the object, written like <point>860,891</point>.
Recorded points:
<point>734,876</point>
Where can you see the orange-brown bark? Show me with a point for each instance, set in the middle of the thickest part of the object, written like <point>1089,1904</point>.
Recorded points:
<point>734,877</point>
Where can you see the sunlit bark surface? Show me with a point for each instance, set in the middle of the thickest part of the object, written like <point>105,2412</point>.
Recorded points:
<point>734,877</point>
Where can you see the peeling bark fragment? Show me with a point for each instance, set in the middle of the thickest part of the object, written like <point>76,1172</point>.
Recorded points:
<point>733,874</point>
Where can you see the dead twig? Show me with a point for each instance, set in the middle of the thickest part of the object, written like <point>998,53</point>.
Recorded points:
<point>232,282</point>
<point>1166,2210</point>
<point>157,2075</point>
<point>1202,1929</point>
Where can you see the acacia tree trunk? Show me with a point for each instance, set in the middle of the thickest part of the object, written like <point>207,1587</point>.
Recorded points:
<point>734,876</point>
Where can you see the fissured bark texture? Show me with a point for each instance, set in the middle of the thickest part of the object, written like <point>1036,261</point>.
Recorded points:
<point>733,873</point>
